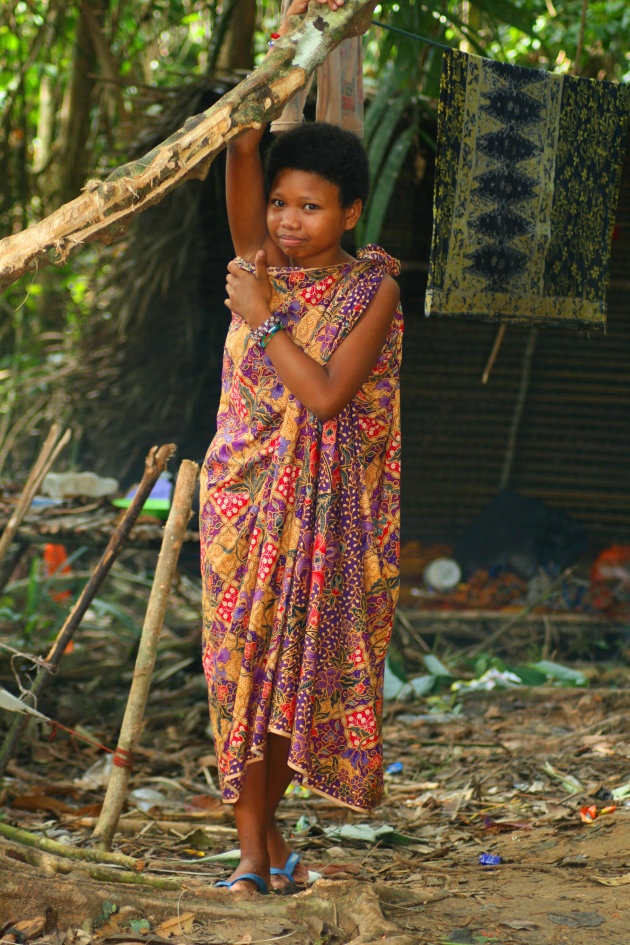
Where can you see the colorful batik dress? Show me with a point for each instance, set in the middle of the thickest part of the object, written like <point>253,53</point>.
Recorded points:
<point>299,528</point>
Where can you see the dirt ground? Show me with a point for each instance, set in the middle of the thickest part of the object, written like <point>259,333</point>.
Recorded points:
<point>505,774</point>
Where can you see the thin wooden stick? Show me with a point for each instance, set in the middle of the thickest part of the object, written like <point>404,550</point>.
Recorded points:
<point>48,454</point>
<point>129,737</point>
<point>10,563</point>
<point>493,354</point>
<point>519,408</point>
<point>155,463</point>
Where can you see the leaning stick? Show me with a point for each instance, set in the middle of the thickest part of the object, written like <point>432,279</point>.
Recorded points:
<point>48,454</point>
<point>134,713</point>
<point>155,463</point>
<point>493,354</point>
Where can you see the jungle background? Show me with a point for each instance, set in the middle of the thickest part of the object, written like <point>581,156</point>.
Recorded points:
<point>123,345</point>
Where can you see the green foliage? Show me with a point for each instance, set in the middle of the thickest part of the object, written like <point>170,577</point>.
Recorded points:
<point>153,51</point>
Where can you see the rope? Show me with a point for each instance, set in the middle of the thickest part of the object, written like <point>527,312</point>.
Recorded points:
<point>122,758</point>
<point>27,656</point>
<point>422,39</point>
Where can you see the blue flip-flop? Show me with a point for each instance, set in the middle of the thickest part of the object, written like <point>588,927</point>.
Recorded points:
<point>260,883</point>
<point>288,868</point>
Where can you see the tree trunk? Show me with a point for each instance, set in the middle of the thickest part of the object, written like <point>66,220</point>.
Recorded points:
<point>104,209</point>
<point>72,158</point>
<point>237,47</point>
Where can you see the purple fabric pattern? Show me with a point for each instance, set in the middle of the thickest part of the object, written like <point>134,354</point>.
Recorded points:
<point>299,527</point>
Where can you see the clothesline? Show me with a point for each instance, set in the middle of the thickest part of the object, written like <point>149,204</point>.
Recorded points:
<point>422,39</point>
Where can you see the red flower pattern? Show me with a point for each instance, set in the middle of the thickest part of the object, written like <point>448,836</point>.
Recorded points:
<point>228,603</point>
<point>267,559</point>
<point>362,728</point>
<point>230,503</point>
<point>287,481</point>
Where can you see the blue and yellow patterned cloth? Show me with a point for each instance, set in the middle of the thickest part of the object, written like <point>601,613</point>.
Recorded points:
<point>526,186</point>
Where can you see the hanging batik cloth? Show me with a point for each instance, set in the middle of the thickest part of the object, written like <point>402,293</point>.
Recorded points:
<point>526,185</point>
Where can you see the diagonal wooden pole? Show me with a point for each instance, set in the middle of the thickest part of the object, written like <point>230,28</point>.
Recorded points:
<point>155,463</point>
<point>145,660</point>
<point>104,209</point>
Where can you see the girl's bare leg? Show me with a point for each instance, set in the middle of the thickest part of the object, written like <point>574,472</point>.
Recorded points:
<point>250,813</point>
<point>262,845</point>
<point>279,776</point>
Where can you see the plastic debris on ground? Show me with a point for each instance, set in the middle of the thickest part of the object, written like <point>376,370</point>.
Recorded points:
<point>590,813</point>
<point>364,833</point>
<point>489,859</point>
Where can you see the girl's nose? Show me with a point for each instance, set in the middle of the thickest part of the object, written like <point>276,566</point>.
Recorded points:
<point>290,217</point>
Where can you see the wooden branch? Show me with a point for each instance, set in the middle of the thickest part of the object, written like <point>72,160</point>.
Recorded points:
<point>17,835</point>
<point>48,454</point>
<point>57,865</point>
<point>104,209</point>
<point>155,464</point>
<point>129,737</point>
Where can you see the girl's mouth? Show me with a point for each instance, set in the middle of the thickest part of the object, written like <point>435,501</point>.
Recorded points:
<point>290,240</point>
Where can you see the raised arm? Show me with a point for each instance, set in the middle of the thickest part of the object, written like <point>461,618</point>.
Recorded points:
<point>245,195</point>
<point>244,178</point>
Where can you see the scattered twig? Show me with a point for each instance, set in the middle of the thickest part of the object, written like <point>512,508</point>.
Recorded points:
<point>57,864</point>
<point>488,641</point>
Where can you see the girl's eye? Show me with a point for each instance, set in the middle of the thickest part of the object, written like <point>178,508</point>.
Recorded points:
<point>276,202</point>
<point>311,206</point>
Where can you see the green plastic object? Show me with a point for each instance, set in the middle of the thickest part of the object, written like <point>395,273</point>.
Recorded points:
<point>156,507</point>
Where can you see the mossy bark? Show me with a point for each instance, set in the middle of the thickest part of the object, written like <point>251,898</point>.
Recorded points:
<point>104,209</point>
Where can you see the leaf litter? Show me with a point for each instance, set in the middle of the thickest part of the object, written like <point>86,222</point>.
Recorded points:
<point>502,771</point>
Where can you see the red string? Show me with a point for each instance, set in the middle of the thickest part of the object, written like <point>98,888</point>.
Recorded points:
<point>122,758</point>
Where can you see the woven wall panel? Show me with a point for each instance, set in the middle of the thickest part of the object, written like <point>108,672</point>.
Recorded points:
<point>573,444</point>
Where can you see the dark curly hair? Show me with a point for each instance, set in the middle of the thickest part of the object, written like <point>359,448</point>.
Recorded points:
<point>320,148</point>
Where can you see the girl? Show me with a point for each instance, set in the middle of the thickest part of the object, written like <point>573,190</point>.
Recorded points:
<point>299,493</point>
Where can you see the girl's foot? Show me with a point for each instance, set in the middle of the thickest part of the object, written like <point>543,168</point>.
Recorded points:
<point>249,869</point>
<point>280,858</point>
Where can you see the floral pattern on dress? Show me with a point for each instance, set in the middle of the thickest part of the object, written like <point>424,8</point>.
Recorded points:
<point>299,525</point>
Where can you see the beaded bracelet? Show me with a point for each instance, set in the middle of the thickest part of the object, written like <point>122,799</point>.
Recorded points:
<point>272,41</point>
<point>260,333</point>
<point>272,331</point>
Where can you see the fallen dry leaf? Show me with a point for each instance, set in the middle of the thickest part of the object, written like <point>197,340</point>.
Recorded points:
<point>30,928</point>
<point>178,925</point>
<point>206,802</point>
<point>623,880</point>
<point>337,869</point>
<point>41,802</point>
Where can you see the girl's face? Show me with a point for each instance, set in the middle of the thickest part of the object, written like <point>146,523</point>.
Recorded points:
<point>306,220</point>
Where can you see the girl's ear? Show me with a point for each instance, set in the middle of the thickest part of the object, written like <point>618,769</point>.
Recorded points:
<point>353,212</point>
